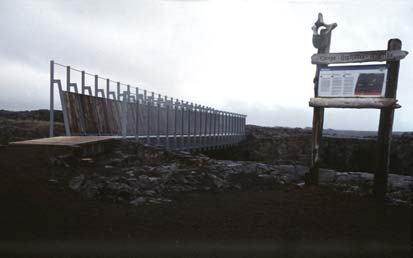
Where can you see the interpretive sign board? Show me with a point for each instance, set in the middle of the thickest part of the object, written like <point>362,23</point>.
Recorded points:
<point>352,81</point>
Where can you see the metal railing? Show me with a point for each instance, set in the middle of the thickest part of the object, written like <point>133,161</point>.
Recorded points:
<point>146,115</point>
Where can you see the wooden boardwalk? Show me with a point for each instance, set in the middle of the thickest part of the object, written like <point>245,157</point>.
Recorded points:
<point>69,141</point>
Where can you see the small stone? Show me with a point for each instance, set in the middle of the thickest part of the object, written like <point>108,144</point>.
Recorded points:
<point>87,160</point>
<point>109,166</point>
<point>130,173</point>
<point>301,184</point>
<point>138,201</point>
<point>150,193</point>
<point>76,182</point>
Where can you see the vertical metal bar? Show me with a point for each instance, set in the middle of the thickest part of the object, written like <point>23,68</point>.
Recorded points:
<point>83,82</point>
<point>151,111</point>
<point>124,115</point>
<point>210,128</point>
<point>118,90</point>
<point>229,128</point>
<point>238,127</point>
<point>83,86</point>
<point>167,122</point>
<point>68,78</point>
<point>235,127</point>
<point>145,96</point>
<point>158,121</point>
<point>175,107</point>
<point>242,127</point>
<point>195,126</point>
<point>51,117</point>
<point>107,88</point>
<point>199,118</point>
<point>192,136</point>
<point>224,127</point>
<point>219,129</point>
<point>188,142</point>
<point>207,122</point>
<point>137,114</point>
<point>216,128</point>
<point>108,91</point>
<point>200,126</point>
<point>182,124</point>
<point>204,126</point>
<point>96,85</point>
<point>232,128</point>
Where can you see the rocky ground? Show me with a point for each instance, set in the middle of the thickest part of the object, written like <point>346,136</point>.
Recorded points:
<point>338,151</point>
<point>141,201</point>
<point>142,174</point>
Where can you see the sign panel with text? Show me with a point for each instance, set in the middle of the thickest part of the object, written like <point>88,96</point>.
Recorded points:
<point>352,81</point>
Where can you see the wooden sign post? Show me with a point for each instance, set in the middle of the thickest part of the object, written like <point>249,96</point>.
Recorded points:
<point>361,86</point>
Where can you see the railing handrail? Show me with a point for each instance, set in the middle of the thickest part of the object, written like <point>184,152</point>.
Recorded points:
<point>131,93</point>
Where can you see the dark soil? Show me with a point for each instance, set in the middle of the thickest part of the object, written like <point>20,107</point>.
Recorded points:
<point>42,218</point>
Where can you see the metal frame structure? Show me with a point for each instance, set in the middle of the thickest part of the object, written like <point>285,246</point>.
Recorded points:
<point>184,125</point>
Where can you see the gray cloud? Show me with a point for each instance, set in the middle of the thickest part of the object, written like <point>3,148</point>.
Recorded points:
<point>184,48</point>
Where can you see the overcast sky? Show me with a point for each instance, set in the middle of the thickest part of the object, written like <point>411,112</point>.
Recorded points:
<point>251,57</point>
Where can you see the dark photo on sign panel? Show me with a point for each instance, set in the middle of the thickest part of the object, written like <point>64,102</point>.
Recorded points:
<point>369,84</point>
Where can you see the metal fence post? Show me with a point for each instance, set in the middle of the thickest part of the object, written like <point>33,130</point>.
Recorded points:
<point>204,142</point>
<point>145,96</point>
<point>51,117</point>
<point>68,83</point>
<point>118,90</point>
<point>167,122</point>
<point>182,124</point>
<point>201,113</point>
<point>158,120</point>
<point>175,107</point>
<point>211,117</point>
<point>190,107</point>
<point>137,114</point>
<point>124,114</point>
<point>96,85</point>
<point>196,125</point>
<point>215,139</point>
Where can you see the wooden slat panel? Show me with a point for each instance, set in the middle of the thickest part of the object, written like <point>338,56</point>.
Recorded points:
<point>101,113</point>
<point>89,114</point>
<point>131,114</point>
<point>71,113</point>
<point>75,112</point>
<point>113,116</point>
